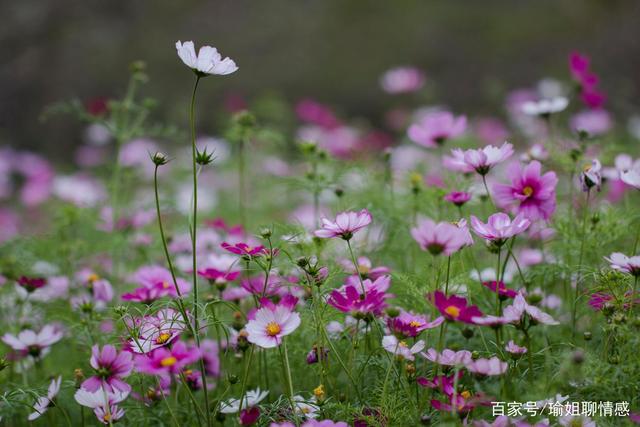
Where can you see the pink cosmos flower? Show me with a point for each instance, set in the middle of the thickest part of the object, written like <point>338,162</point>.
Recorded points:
<point>579,66</point>
<point>217,277</point>
<point>365,268</point>
<point>625,264</point>
<point>31,343</point>
<point>165,361</point>
<point>545,107</point>
<point>484,159</point>
<point>156,282</point>
<point>411,325</point>
<point>435,128</point>
<point>454,308</point>
<point>402,80</point>
<point>458,198</point>
<point>103,402</point>
<point>514,348</point>
<point>631,176</point>
<point>487,367</point>
<point>156,330</point>
<point>529,193</point>
<point>441,238</point>
<point>210,357</point>
<point>591,175</point>
<point>313,112</point>
<point>44,402</point>
<point>500,287</point>
<point>345,225</point>
<point>110,368</point>
<point>352,299</point>
<point>499,228</point>
<point>208,61</point>
<point>271,324</point>
<point>516,311</point>
<point>593,122</point>
<point>400,348</point>
<point>535,152</point>
<point>448,357</point>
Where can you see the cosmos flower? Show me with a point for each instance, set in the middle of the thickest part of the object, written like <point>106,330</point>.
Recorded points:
<point>591,175</point>
<point>487,367</point>
<point>210,356</point>
<point>458,198</point>
<point>271,324</point>
<point>217,277</point>
<point>315,113</point>
<point>448,357</point>
<point>207,62</point>
<point>164,361</point>
<point>42,404</point>
<point>593,122</point>
<point>306,408</point>
<point>579,67</point>
<point>345,225</point>
<point>251,399</point>
<point>483,159</point>
<point>500,287</point>
<point>411,325</point>
<point>103,402</point>
<point>439,238</point>
<point>435,128</point>
<point>400,348</point>
<point>631,176</point>
<point>499,228</point>
<point>625,264</point>
<point>154,331</point>
<point>156,282</point>
<point>365,268</point>
<point>352,299</point>
<point>514,348</point>
<point>31,343</point>
<point>545,107</point>
<point>529,193</point>
<point>402,80</point>
<point>516,311</point>
<point>454,308</point>
<point>110,368</point>
<point>31,283</point>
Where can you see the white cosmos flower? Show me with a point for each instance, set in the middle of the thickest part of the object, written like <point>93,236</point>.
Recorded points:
<point>42,404</point>
<point>207,61</point>
<point>252,398</point>
<point>545,107</point>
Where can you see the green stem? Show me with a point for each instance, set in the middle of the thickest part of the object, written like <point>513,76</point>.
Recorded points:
<point>355,265</point>
<point>579,276</point>
<point>486,188</point>
<point>241,184</point>
<point>446,285</point>
<point>244,378</point>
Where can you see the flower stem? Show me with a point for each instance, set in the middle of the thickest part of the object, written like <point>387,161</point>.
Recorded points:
<point>355,265</point>
<point>287,370</point>
<point>446,285</point>
<point>486,188</point>
<point>241,184</point>
<point>244,378</point>
<point>578,279</point>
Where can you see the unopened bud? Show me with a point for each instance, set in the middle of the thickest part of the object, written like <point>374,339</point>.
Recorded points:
<point>159,159</point>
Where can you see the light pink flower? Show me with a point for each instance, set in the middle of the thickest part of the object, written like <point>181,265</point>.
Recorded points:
<point>515,312</point>
<point>436,128</point>
<point>484,159</point>
<point>43,403</point>
<point>591,175</point>
<point>489,367</point>
<point>402,80</point>
<point>593,122</point>
<point>448,357</point>
<point>103,402</point>
<point>400,348</point>
<point>439,238</point>
<point>514,348</point>
<point>345,225</point>
<point>30,343</point>
<point>271,325</point>
<point>499,228</point>
<point>631,176</point>
<point>625,264</point>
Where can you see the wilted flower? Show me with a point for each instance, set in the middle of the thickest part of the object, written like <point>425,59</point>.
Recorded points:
<point>207,62</point>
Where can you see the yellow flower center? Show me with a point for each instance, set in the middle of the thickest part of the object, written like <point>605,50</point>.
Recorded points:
<point>187,372</point>
<point>527,191</point>
<point>163,338</point>
<point>587,167</point>
<point>363,270</point>
<point>273,329</point>
<point>414,324</point>
<point>452,311</point>
<point>165,285</point>
<point>465,394</point>
<point>168,361</point>
<point>92,278</point>
<point>106,418</point>
<point>305,410</point>
<point>402,344</point>
<point>318,392</point>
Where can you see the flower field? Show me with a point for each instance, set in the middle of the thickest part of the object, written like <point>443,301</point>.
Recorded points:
<point>302,267</point>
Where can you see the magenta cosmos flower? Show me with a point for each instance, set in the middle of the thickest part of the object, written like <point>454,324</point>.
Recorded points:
<point>156,330</point>
<point>499,228</point>
<point>402,80</point>
<point>165,361</point>
<point>454,308</point>
<point>436,128</point>
<point>271,324</point>
<point>500,287</point>
<point>345,225</point>
<point>31,343</point>
<point>244,249</point>
<point>110,367</point>
<point>458,198</point>
<point>625,264</point>
<point>411,325</point>
<point>579,66</point>
<point>441,238</point>
<point>529,192</point>
<point>362,303</point>
<point>514,348</point>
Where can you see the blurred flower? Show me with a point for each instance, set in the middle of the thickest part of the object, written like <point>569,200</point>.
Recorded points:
<point>515,312</point>
<point>439,238</point>
<point>591,175</point>
<point>515,349</point>
<point>315,113</point>
<point>251,399</point>
<point>402,80</point>
<point>30,343</point>
<point>530,193</point>
<point>207,62</point>
<point>625,264</point>
<point>502,290</point>
<point>631,176</point>
<point>365,268</point>
<point>448,357</point>
<point>80,189</point>
<point>458,198</point>
<point>435,128</point>
<point>545,107</point>
<point>491,130</point>
<point>42,404</point>
<point>400,348</point>
<point>489,367</point>
<point>593,122</point>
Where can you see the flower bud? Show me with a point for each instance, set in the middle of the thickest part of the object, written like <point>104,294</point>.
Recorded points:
<point>233,379</point>
<point>265,233</point>
<point>159,159</point>
<point>587,336</point>
<point>392,312</point>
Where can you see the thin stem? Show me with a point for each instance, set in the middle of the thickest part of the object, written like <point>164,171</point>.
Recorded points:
<point>486,188</point>
<point>341,362</point>
<point>241,184</point>
<point>287,371</point>
<point>498,284</point>
<point>579,276</point>
<point>355,265</point>
<point>446,285</point>
<point>244,378</point>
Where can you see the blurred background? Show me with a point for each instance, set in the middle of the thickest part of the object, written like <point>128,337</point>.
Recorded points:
<point>472,52</point>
